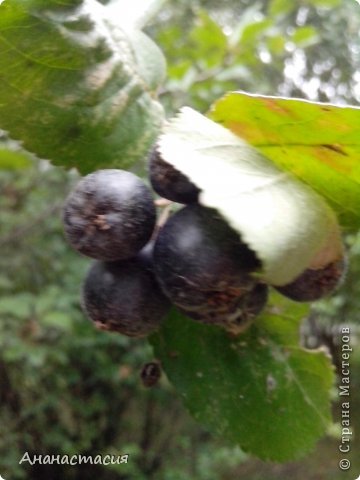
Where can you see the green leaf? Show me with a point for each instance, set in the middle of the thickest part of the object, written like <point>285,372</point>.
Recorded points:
<point>252,32</point>
<point>259,390</point>
<point>58,320</point>
<point>285,222</point>
<point>305,36</point>
<point>319,143</point>
<point>10,159</point>
<point>281,7</point>
<point>75,87</point>
<point>249,26</point>
<point>325,3</point>
<point>20,305</point>
<point>276,44</point>
<point>12,156</point>
<point>208,40</point>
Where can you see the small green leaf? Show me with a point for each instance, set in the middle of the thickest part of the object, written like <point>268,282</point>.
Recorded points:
<point>319,143</point>
<point>281,7</point>
<point>285,223</point>
<point>10,159</point>
<point>305,36</point>
<point>58,320</point>
<point>258,390</point>
<point>325,3</point>
<point>209,40</point>
<point>12,156</point>
<point>20,305</point>
<point>253,31</point>
<point>276,44</point>
<point>75,87</point>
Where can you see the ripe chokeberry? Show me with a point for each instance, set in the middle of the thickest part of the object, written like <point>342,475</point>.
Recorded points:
<point>202,264</point>
<point>109,215</point>
<point>314,284</point>
<point>169,183</point>
<point>124,297</point>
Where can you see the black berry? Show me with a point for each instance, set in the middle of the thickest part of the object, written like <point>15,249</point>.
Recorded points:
<point>169,183</point>
<point>110,215</point>
<point>314,284</point>
<point>124,297</point>
<point>201,263</point>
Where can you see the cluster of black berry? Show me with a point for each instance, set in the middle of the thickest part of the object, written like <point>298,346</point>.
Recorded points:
<point>195,260</point>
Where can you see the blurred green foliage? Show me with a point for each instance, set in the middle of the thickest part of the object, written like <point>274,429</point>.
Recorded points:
<point>66,388</point>
<point>305,49</point>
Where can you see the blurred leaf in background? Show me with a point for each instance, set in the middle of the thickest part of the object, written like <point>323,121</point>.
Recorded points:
<point>307,50</point>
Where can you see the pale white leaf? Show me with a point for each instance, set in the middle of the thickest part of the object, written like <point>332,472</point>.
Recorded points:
<point>285,222</point>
